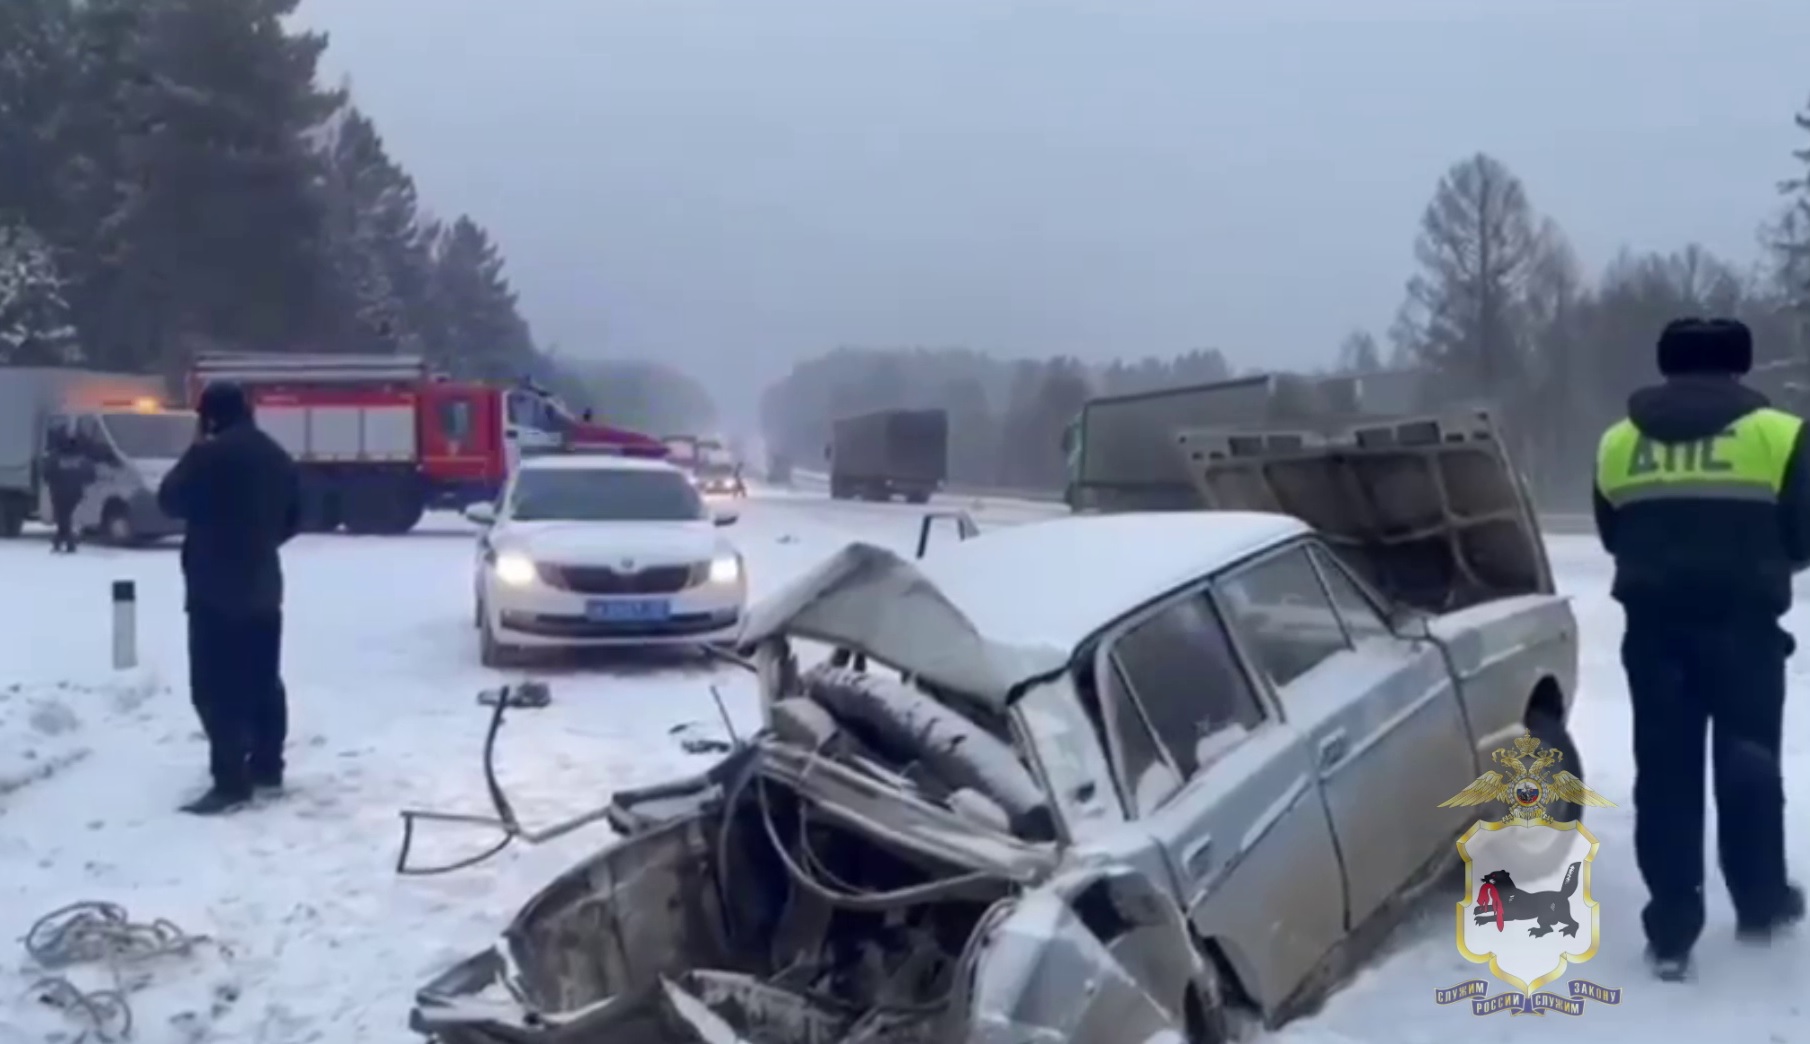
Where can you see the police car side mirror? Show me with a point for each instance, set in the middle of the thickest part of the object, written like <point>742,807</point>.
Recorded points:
<point>480,514</point>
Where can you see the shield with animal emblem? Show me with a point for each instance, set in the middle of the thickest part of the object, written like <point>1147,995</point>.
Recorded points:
<point>1527,911</point>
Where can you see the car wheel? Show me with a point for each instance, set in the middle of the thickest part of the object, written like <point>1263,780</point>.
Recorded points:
<point>1208,1019</point>
<point>492,653</point>
<point>116,525</point>
<point>1550,729</point>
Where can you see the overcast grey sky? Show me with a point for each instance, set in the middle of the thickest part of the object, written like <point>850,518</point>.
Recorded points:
<point>733,184</point>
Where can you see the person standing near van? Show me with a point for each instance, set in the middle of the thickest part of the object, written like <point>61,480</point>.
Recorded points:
<point>239,495</point>
<point>67,475</point>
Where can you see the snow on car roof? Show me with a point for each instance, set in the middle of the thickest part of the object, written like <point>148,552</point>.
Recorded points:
<point>1057,582</point>
<point>594,462</point>
<point>988,614</point>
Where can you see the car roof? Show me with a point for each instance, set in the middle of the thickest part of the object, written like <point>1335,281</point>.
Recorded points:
<point>594,462</point>
<point>1057,582</point>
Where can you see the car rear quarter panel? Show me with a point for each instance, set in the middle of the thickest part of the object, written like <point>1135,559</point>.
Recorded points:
<point>1500,652</point>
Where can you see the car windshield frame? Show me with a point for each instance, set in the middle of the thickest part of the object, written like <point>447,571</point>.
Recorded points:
<point>146,435</point>
<point>604,495</point>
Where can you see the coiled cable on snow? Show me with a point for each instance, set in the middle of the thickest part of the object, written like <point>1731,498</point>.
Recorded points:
<point>91,932</point>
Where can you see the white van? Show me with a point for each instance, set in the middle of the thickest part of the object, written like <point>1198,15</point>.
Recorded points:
<point>133,448</point>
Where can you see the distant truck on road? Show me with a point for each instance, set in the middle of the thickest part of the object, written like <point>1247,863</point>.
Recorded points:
<point>118,420</point>
<point>876,456</point>
<point>1122,449</point>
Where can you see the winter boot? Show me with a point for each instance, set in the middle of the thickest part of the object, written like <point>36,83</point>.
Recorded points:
<point>1790,911</point>
<point>217,802</point>
<point>1669,969</point>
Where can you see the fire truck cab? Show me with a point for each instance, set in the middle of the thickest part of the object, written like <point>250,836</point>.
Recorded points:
<point>382,438</point>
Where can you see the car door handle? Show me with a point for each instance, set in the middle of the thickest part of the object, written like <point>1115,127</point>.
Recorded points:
<point>1197,858</point>
<point>1333,747</point>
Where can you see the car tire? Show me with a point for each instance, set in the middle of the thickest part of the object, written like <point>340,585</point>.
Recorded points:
<point>116,525</point>
<point>492,653</point>
<point>1550,729</point>
<point>1209,1021</point>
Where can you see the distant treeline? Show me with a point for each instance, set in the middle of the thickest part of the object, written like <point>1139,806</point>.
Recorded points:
<point>1498,308</point>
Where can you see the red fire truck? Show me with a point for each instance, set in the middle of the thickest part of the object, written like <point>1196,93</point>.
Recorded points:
<point>382,438</point>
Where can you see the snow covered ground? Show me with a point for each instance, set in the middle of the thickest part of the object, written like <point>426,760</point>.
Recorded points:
<point>312,937</point>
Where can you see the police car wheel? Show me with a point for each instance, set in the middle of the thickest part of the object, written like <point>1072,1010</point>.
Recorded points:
<point>492,653</point>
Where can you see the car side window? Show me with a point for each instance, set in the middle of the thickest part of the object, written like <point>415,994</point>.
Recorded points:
<point>1183,671</point>
<point>1147,776</point>
<point>1283,613</point>
<point>1359,613</point>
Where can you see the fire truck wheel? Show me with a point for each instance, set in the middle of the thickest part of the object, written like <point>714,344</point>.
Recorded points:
<point>381,510</point>
<point>320,511</point>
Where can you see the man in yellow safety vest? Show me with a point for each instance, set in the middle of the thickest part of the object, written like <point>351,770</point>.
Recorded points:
<point>1703,498</point>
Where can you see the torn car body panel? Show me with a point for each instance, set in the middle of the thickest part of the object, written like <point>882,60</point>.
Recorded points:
<point>869,600</point>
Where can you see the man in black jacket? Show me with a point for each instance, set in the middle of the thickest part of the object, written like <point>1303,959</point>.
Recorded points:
<point>67,473</point>
<point>238,494</point>
<point>1702,496</point>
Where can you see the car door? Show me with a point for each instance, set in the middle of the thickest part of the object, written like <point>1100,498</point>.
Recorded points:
<point>1380,712</point>
<point>1227,791</point>
<point>110,475</point>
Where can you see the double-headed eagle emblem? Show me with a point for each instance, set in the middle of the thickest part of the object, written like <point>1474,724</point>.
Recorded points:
<point>1527,788</point>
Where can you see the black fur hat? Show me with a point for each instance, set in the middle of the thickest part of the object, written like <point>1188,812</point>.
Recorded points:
<point>223,405</point>
<point>1693,345</point>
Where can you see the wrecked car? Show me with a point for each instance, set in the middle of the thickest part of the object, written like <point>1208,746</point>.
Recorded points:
<point>1128,778</point>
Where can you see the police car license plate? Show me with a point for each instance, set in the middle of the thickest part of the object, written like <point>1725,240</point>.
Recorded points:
<point>630,610</point>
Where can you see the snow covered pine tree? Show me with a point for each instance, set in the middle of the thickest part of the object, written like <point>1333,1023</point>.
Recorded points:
<point>35,329</point>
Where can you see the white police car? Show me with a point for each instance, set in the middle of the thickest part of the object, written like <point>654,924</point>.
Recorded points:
<point>595,550</point>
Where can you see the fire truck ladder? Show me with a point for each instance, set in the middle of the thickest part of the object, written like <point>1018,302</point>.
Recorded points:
<point>312,368</point>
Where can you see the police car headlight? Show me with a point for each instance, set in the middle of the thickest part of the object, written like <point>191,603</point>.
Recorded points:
<point>726,570</point>
<point>514,569</point>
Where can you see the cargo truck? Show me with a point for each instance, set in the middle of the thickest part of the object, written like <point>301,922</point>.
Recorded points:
<point>119,421</point>
<point>876,456</point>
<point>1122,449</point>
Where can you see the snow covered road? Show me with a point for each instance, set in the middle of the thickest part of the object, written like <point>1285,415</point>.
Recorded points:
<point>315,937</point>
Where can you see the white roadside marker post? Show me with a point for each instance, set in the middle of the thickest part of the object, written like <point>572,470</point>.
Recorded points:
<point>125,625</point>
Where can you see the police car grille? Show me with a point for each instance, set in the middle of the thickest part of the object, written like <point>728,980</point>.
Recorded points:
<point>602,580</point>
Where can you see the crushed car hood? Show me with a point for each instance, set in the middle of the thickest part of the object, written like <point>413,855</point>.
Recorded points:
<point>1430,509</point>
<point>869,600</point>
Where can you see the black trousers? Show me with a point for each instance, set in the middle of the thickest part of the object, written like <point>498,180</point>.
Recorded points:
<point>63,515</point>
<point>235,680</point>
<point>1688,678</point>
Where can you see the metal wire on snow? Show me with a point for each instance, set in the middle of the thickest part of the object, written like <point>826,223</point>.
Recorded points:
<point>98,933</point>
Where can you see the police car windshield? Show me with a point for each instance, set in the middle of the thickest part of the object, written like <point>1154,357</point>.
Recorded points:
<point>150,436</point>
<point>603,495</point>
